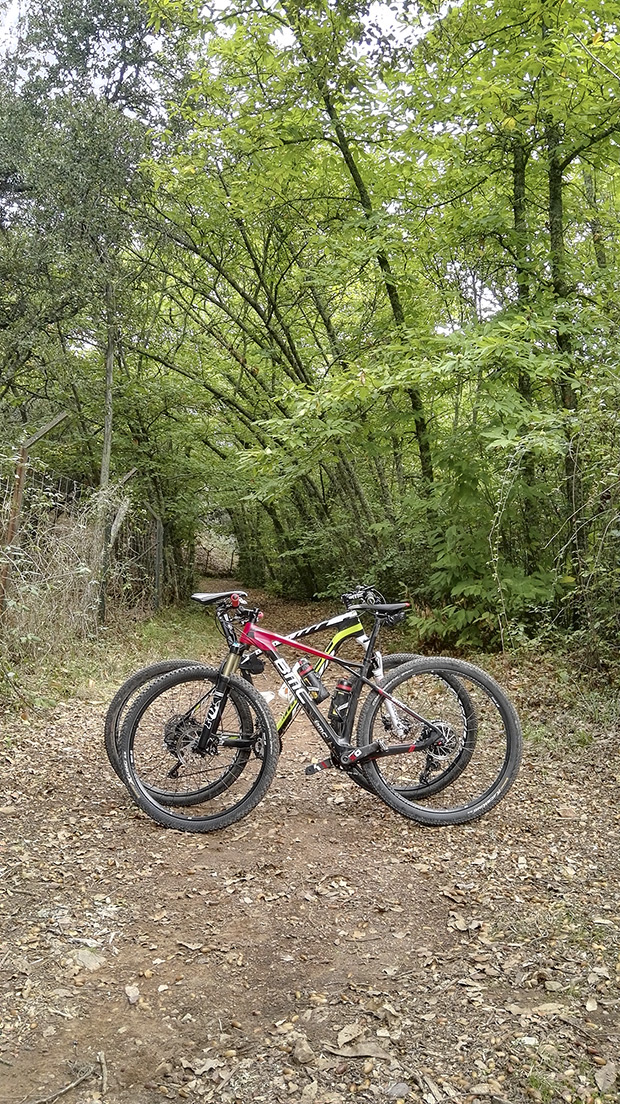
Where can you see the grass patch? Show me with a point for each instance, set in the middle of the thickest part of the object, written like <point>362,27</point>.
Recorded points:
<point>544,1088</point>
<point>96,667</point>
<point>550,737</point>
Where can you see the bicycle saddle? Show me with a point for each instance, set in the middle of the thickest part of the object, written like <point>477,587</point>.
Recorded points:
<point>209,599</point>
<point>382,607</point>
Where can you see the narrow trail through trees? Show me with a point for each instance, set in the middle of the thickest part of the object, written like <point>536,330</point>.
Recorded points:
<point>322,950</point>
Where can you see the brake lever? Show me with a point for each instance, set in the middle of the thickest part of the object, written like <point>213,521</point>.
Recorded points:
<point>356,595</point>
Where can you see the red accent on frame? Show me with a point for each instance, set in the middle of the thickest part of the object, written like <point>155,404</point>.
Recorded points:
<point>261,638</point>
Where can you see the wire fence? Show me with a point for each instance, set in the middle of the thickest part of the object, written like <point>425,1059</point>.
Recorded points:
<point>68,554</point>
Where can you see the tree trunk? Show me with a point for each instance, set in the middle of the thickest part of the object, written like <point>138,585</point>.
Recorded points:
<point>524,384</point>
<point>110,352</point>
<point>106,456</point>
<point>519,164</point>
<point>568,396</point>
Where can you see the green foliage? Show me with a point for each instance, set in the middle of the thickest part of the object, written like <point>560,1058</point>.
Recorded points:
<point>361,283</point>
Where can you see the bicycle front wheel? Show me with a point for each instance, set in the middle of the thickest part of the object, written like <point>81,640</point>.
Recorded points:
<point>166,774</point>
<point>471,732</point>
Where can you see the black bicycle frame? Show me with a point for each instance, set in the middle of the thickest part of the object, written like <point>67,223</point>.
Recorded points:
<point>266,643</point>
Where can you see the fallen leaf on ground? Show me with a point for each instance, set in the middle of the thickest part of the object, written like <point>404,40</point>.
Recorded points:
<point>605,1077</point>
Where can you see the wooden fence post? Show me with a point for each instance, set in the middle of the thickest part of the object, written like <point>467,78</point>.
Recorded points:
<point>159,563</point>
<point>158,582</point>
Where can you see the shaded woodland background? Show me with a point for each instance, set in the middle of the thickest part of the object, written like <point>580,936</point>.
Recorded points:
<point>337,282</point>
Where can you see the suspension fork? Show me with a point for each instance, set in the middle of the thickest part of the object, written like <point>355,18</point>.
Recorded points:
<point>229,667</point>
<point>389,707</point>
<point>388,701</point>
<point>394,718</point>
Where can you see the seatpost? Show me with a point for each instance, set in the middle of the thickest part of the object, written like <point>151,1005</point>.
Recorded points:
<point>231,664</point>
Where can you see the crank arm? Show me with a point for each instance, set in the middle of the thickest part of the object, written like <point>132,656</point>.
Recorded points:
<point>380,750</point>
<point>353,756</point>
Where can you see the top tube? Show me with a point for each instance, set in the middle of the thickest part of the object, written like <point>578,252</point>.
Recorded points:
<point>267,641</point>
<point>347,620</point>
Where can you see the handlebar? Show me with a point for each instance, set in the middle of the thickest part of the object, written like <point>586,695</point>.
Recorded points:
<point>369,595</point>
<point>235,608</point>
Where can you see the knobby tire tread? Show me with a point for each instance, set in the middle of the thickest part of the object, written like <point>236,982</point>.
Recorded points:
<point>118,706</point>
<point>479,806</point>
<point>245,805</point>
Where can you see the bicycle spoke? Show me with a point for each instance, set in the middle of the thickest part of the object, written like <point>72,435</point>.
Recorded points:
<point>472,744</point>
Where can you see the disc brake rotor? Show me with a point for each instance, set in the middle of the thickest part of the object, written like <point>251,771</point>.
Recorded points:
<point>445,747</point>
<point>181,733</point>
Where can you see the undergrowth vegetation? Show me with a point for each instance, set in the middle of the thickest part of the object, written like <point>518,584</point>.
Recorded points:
<point>94,667</point>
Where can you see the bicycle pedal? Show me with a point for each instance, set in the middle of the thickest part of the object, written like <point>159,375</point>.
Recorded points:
<point>315,768</point>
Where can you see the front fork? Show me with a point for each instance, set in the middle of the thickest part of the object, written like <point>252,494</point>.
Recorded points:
<point>379,673</point>
<point>229,667</point>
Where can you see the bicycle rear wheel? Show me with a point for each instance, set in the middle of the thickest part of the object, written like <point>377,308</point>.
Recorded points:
<point>440,772</point>
<point>437,773</point>
<point>166,775</point>
<point>458,699</point>
<point>124,698</point>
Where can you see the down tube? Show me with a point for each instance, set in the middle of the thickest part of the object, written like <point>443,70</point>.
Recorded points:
<point>301,695</point>
<point>350,631</point>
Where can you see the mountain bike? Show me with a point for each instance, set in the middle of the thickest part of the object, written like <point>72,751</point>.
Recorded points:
<point>345,627</point>
<point>216,740</point>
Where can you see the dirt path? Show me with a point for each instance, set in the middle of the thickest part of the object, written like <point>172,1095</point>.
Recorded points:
<point>322,950</point>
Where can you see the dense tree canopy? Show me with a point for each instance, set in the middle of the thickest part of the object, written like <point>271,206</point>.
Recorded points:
<point>343,276</point>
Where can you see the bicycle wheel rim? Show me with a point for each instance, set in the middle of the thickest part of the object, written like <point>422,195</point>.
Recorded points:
<point>161,734</point>
<point>476,774</point>
<point>124,698</point>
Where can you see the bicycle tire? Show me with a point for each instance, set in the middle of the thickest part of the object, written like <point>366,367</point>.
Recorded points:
<point>495,758</point>
<point>152,737</point>
<point>201,791</point>
<point>444,775</point>
<point>122,700</point>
